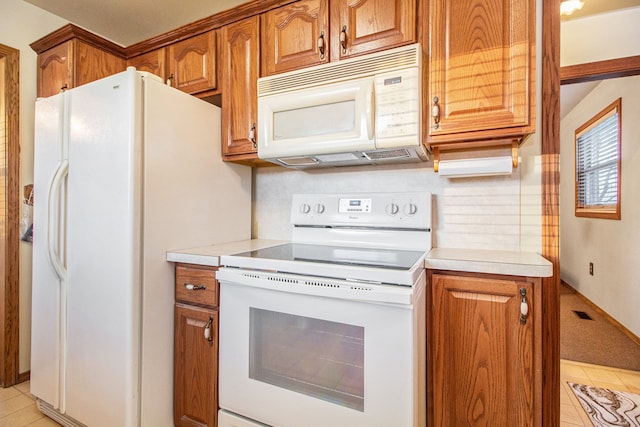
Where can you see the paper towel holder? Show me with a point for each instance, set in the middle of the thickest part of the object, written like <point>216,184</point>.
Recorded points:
<point>435,152</point>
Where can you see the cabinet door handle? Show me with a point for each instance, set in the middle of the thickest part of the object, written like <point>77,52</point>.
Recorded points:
<point>524,306</point>
<point>435,112</point>
<point>192,287</point>
<point>64,87</point>
<point>207,330</point>
<point>343,39</point>
<point>252,135</point>
<point>321,45</point>
<point>170,80</point>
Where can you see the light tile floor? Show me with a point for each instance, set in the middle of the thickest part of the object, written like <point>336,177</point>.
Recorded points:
<point>18,409</point>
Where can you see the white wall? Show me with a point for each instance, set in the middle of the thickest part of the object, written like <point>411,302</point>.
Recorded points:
<point>613,246</point>
<point>606,243</point>
<point>21,24</point>
<point>481,213</point>
<point>600,37</point>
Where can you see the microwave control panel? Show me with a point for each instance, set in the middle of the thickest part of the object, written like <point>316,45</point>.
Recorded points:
<point>397,106</point>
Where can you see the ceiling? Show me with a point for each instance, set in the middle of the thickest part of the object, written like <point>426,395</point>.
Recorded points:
<point>594,7</point>
<point>126,22</point>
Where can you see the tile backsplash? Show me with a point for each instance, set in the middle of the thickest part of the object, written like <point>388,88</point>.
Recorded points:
<point>475,213</point>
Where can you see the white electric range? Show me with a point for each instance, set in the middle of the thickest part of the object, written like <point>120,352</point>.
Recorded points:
<point>329,329</point>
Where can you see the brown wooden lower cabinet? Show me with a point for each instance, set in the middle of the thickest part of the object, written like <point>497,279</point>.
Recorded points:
<point>483,354</point>
<point>196,348</point>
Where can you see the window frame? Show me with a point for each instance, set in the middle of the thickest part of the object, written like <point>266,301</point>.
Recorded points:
<point>612,211</point>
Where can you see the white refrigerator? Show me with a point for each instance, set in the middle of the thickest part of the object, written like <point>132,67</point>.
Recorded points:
<point>125,169</point>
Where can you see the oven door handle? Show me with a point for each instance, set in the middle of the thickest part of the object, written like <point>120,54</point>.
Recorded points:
<point>314,286</point>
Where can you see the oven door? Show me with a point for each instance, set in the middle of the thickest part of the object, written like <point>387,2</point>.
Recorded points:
<point>292,359</point>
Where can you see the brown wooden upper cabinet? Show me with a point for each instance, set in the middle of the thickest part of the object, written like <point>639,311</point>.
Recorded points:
<point>71,56</point>
<point>481,70</point>
<point>154,62</point>
<point>188,65</point>
<point>312,32</point>
<point>240,46</point>
<point>192,63</point>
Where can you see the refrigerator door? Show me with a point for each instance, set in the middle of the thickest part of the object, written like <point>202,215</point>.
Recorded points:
<point>49,276</point>
<point>103,252</point>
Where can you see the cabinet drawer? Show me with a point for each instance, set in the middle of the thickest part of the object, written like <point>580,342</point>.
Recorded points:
<point>195,285</point>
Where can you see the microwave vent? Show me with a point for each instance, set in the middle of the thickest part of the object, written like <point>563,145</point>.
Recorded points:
<point>387,154</point>
<point>388,60</point>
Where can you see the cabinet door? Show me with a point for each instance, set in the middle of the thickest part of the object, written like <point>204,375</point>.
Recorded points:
<point>195,367</point>
<point>363,26</point>
<point>192,63</point>
<point>240,62</point>
<point>55,71</point>
<point>154,62</point>
<point>483,355</point>
<point>481,66</point>
<point>295,36</point>
<point>92,63</point>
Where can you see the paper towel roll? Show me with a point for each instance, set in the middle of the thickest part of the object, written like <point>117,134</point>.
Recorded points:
<point>482,166</point>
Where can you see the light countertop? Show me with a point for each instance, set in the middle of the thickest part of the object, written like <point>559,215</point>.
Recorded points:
<point>210,255</point>
<point>471,260</point>
<point>489,261</point>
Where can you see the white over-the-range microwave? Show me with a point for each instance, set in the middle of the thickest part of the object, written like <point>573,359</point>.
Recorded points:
<point>365,110</point>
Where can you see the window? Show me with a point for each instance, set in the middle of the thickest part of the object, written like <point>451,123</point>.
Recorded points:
<point>598,164</point>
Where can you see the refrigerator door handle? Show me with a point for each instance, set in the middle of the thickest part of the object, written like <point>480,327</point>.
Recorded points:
<point>52,216</point>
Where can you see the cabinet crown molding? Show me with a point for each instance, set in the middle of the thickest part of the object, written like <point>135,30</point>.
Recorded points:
<point>69,32</point>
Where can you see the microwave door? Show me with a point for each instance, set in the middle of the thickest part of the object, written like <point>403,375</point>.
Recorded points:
<point>319,120</point>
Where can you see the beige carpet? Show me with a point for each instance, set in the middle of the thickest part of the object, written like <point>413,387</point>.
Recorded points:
<point>608,408</point>
<point>595,341</point>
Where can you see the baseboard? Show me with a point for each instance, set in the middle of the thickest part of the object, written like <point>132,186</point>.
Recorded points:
<point>633,337</point>
<point>24,376</point>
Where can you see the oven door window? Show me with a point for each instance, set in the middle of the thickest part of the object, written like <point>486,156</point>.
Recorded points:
<point>319,358</point>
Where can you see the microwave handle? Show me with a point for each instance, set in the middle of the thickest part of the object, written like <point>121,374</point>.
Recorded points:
<point>370,111</point>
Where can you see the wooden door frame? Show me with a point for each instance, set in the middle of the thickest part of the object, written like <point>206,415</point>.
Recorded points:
<point>9,282</point>
<point>552,77</point>
<point>600,70</point>
<point>550,153</point>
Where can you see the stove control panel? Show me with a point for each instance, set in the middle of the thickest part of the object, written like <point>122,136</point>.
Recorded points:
<point>410,210</point>
<point>354,205</point>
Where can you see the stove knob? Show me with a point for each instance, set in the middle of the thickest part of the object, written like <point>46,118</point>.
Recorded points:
<point>392,209</point>
<point>410,209</point>
<point>319,208</point>
<point>305,208</point>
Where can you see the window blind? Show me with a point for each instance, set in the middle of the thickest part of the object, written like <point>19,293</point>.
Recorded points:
<point>597,153</point>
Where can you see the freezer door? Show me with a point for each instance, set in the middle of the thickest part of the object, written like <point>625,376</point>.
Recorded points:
<point>48,289</point>
<point>103,254</point>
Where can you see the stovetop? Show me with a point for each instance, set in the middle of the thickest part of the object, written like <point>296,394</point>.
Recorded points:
<point>370,237</point>
<point>364,257</point>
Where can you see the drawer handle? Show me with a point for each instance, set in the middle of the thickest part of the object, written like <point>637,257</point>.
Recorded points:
<point>192,287</point>
<point>207,330</point>
<point>343,39</point>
